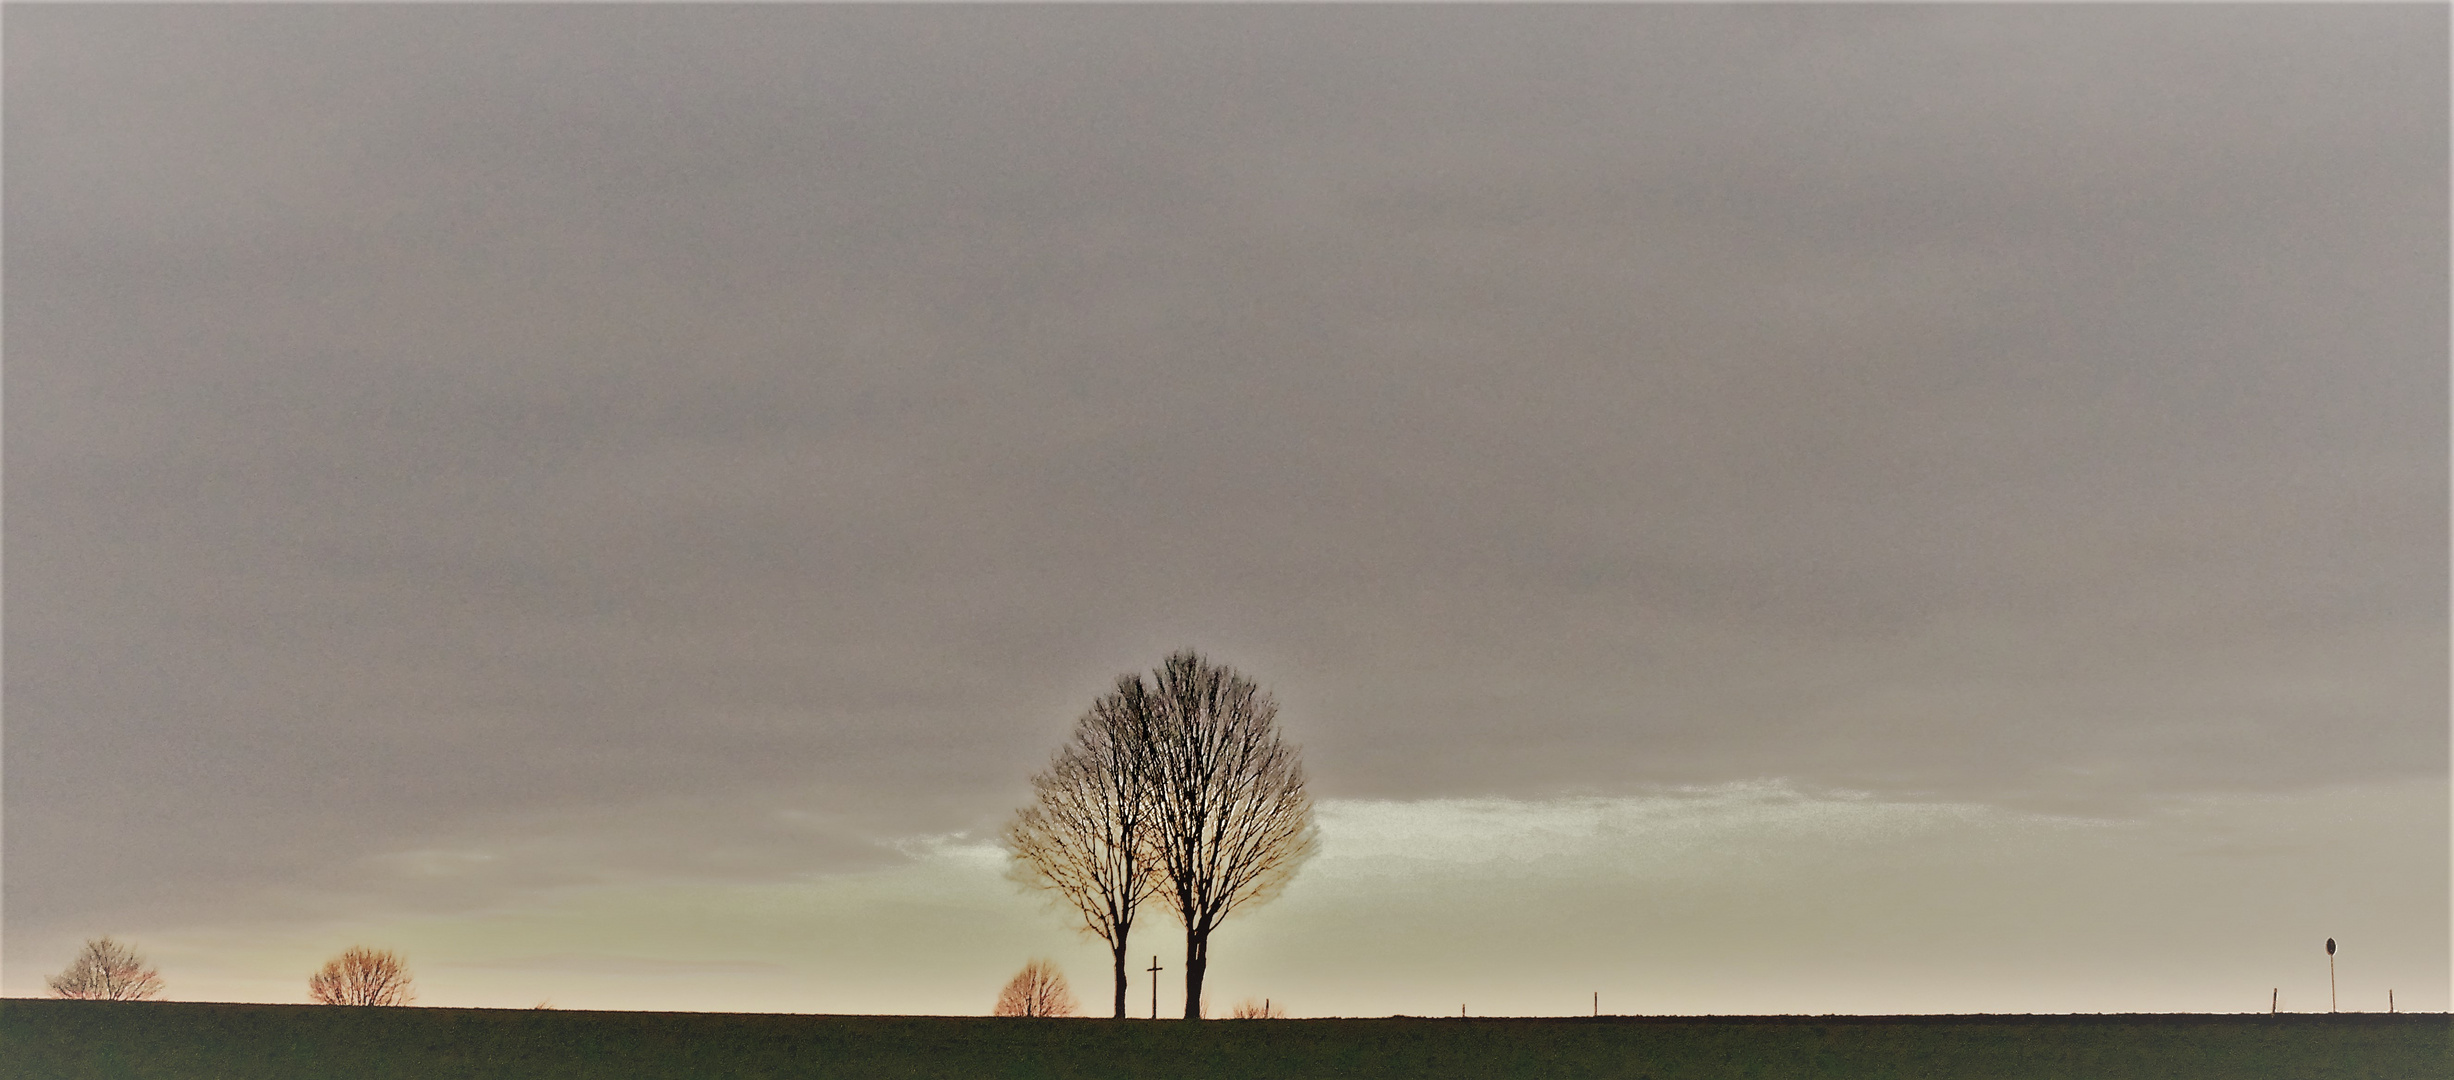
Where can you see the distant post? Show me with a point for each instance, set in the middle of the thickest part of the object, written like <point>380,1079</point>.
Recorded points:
<point>2273,996</point>
<point>1155,969</point>
<point>1597,1004</point>
<point>2330,974</point>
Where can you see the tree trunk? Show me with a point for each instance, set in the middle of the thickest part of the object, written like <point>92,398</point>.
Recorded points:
<point>1119,953</point>
<point>1196,963</point>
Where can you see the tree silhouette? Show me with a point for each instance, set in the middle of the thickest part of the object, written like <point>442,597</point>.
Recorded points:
<point>362,976</point>
<point>1037,990</point>
<point>1085,835</point>
<point>106,971</point>
<point>1230,818</point>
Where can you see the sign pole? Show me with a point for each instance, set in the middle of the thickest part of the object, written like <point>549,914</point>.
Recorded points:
<point>2330,974</point>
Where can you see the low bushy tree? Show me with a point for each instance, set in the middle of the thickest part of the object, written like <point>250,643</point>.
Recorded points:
<point>1037,990</point>
<point>106,971</point>
<point>362,976</point>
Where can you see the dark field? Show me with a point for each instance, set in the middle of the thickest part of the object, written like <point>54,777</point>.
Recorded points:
<point>73,1040</point>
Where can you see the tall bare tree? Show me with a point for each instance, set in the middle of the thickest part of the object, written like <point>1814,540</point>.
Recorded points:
<point>1037,990</point>
<point>106,971</point>
<point>362,976</point>
<point>1230,819</point>
<point>1084,837</point>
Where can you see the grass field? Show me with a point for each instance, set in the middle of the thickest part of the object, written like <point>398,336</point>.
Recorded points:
<point>75,1040</point>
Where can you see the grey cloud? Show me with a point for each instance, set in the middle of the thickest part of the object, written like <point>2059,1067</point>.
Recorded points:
<point>420,414</point>
<point>614,965</point>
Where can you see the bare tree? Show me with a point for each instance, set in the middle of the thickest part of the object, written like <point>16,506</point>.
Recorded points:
<point>1037,990</point>
<point>362,976</point>
<point>1231,821</point>
<point>1084,837</point>
<point>106,971</point>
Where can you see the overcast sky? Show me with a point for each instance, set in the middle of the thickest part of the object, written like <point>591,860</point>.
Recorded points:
<point>1845,509</point>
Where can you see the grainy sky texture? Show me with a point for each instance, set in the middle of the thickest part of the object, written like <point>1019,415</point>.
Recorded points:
<point>1747,509</point>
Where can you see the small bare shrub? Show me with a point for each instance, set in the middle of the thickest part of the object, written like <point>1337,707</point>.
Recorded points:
<point>1264,1009</point>
<point>1038,990</point>
<point>362,976</point>
<point>106,971</point>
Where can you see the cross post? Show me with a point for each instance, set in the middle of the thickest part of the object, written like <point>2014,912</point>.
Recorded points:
<point>1155,969</point>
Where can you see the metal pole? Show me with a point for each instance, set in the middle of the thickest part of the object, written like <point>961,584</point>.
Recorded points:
<point>2330,974</point>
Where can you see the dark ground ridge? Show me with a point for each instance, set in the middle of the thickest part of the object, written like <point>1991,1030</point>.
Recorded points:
<point>77,1040</point>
